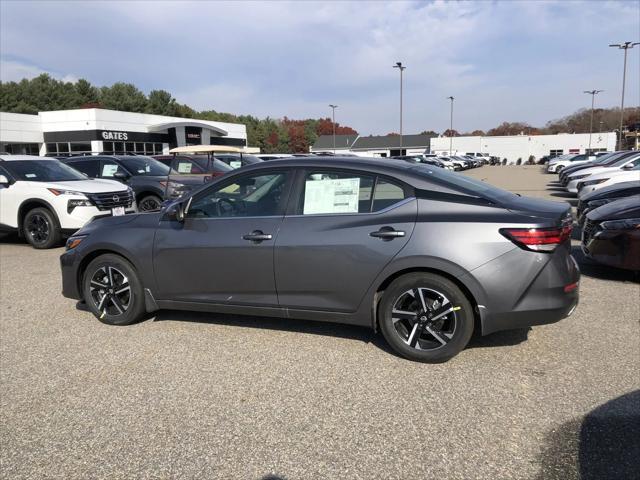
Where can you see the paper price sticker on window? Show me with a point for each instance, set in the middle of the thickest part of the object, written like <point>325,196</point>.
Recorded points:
<point>331,196</point>
<point>109,170</point>
<point>184,167</point>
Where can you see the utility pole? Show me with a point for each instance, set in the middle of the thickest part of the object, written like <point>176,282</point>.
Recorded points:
<point>593,94</point>
<point>623,46</point>
<point>451,128</point>
<point>333,123</point>
<point>399,66</point>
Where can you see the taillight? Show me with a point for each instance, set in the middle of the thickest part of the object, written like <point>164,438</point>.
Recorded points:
<point>538,239</point>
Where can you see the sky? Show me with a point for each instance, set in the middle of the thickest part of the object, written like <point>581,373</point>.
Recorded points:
<point>513,60</point>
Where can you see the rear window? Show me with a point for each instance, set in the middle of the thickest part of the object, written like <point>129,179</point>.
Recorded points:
<point>462,183</point>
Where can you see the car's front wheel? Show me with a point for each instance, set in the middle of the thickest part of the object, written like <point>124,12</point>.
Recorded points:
<point>112,290</point>
<point>41,228</point>
<point>425,317</point>
<point>150,203</point>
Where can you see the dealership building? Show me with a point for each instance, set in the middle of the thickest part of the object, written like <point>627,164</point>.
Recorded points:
<point>511,147</point>
<point>95,130</point>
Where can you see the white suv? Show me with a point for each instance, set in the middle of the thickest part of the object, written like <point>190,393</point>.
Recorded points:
<point>43,199</point>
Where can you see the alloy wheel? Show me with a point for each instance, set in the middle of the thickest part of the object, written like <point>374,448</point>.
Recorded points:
<point>38,228</point>
<point>424,318</point>
<point>110,291</point>
<point>150,204</point>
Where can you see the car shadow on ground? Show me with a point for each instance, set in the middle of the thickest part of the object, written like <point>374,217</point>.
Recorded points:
<point>310,327</point>
<point>566,196</point>
<point>593,269</point>
<point>603,444</point>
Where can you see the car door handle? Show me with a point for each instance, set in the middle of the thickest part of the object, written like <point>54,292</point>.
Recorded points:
<point>257,236</point>
<point>387,233</point>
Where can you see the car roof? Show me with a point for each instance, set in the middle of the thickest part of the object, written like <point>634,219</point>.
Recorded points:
<point>9,158</point>
<point>361,163</point>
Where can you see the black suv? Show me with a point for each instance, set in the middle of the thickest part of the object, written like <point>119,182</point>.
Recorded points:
<point>151,181</point>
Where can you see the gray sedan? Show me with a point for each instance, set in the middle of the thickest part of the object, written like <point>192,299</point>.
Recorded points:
<point>423,255</point>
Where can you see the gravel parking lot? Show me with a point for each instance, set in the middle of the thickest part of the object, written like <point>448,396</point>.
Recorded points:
<point>212,396</point>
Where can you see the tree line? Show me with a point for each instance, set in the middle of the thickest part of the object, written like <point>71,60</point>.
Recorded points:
<point>271,135</point>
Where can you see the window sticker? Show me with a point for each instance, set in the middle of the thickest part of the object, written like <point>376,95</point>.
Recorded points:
<point>331,196</point>
<point>30,175</point>
<point>109,170</point>
<point>235,163</point>
<point>184,167</point>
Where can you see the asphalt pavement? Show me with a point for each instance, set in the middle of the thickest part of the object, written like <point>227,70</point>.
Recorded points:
<point>189,395</point>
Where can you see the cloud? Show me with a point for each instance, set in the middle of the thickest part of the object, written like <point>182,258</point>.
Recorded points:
<point>14,71</point>
<point>525,61</point>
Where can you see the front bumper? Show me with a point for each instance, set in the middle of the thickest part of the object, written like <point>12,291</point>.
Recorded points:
<point>69,265</point>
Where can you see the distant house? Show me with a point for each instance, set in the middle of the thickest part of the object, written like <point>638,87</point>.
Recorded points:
<point>373,145</point>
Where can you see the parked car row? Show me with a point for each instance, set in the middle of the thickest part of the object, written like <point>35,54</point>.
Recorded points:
<point>608,210</point>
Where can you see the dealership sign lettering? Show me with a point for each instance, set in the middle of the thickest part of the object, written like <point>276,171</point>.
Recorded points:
<point>115,136</point>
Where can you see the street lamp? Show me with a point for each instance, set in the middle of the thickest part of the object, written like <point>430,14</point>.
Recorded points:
<point>623,46</point>
<point>399,66</point>
<point>593,94</point>
<point>333,123</point>
<point>451,128</point>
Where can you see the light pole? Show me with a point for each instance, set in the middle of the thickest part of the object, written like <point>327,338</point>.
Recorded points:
<point>623,46</point>
<point>451,128</point>
<point>333,123</point>
<point>399,66</point>
<point>593,94</point>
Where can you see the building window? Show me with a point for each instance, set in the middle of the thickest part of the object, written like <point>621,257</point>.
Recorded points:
<point>157,148</point>
<point>555,153</point>
<point>80,147</point>
<point>118,147</point>
<point>130,147</point>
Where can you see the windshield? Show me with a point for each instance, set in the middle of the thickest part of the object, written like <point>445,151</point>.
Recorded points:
<point>42,171</point>
<point>467,184</point>
<point>140,165</point>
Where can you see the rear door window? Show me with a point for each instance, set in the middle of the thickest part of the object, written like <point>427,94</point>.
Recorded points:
<point>386,194</point>
<point>327,192</point>
<point>89,167</point>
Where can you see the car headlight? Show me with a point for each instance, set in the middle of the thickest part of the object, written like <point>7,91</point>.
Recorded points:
<point>598,203</point>
<point>58,191</point>
<point>73,242</point>
<point>577,177</point>
<point>593,182</point>
<point>77,202</point>
<point>624,224</point>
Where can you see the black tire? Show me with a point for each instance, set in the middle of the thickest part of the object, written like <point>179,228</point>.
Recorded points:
<point>452,331</point>
<point>41,229</point>
<point>104,283</point>
<point>149,203</point>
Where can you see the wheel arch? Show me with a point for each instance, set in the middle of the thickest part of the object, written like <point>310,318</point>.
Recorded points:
<point>377,297</point>
<point>29,204</point>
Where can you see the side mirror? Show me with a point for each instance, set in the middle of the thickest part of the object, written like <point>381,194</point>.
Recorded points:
<point>628,166</point>
<point>4,180</point>
<point>178,210</point>
<point>120,176</point>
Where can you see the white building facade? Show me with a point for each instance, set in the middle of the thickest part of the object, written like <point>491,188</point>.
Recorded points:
<point>95,130</point>
<point>514,147</point>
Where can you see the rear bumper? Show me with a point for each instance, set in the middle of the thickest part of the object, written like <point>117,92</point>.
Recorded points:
<point>544,290</point>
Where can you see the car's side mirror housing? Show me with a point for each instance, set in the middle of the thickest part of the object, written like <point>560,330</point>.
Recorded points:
<point>177,211</point>
<point>628,166</point>
<point>4,180</point>
<point>120,176</point>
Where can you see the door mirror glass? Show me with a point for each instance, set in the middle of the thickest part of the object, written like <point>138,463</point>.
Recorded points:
<point>4,180</point>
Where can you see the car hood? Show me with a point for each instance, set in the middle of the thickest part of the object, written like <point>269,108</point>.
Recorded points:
<point>610,190</point>
<point>623,175</point>
<point>84,186</point>
<point>628,207</point>
<point>586,171</point>
<point>536,207</point>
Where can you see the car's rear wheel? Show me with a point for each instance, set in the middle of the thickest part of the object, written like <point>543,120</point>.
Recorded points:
<point>425,317</point>
<point>149,203</point>
<point>112,290</point>
<point>41,228</point>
